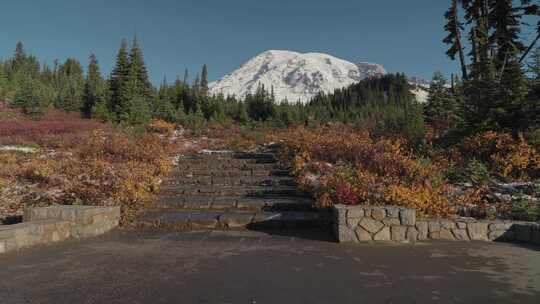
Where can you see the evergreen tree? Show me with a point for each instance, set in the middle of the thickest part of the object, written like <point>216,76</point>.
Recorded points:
<point>94,88</point>
<point>3,81</point>
<point>204,81</point>
<point>28,98</point>
<point>118,101</point>
<point>454,28</point>
<point>241,114</point>
<point>260,106</point>
<point>164,109</point>
<point>138,70</point>
<point>100,111</point>
<point>441,110</point>
<point>19,59</point>
<point>533,98</point>
<point>138,112</point>
<point>186,76</point>
<point>70,86</point>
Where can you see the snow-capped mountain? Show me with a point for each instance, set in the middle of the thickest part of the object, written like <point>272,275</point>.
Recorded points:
<point>294,76</point>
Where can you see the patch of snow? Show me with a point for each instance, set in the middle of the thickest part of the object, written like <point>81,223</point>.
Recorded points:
<point>207,151</point>
<point>23,149</point>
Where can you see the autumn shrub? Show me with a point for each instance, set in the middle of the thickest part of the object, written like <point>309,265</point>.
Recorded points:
<point>104,168</point>
<point>48,130</point>
<point>507,156</point>
<point>367,170</point>
<point>161,127</point>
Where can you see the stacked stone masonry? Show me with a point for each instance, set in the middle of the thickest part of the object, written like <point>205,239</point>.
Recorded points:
<point>398,224</point>
<point>53,224</point>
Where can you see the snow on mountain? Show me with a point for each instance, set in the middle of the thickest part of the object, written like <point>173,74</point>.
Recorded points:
<point>420,93</point>
<point>294,76</point>
<point>420,88</point>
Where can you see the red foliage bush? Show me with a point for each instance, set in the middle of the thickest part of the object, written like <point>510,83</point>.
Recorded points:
<point>16,129</point>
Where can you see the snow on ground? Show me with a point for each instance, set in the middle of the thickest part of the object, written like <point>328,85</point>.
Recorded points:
<point>23,149</point>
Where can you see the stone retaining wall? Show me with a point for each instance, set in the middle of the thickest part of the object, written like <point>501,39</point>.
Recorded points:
<point>57,223</point>
<point>398,224</point>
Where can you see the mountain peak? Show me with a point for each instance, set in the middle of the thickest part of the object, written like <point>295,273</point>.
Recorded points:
<point>294,76</point>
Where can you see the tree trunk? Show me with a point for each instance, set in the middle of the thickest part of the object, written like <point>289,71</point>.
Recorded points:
<point>458,41</point>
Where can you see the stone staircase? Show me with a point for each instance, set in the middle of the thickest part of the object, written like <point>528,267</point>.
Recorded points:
<point>232,190</point>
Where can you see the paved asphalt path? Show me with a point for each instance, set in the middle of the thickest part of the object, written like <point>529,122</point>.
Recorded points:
<point>254,267</point>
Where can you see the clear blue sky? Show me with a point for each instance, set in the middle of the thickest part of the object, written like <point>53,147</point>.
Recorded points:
<point>404,36</point>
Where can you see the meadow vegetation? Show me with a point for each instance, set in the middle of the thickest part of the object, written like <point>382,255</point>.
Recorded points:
<point>473,148</point>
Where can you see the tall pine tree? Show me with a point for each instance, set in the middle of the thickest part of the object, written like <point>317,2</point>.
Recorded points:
<point>204,81</point>
<point>454,27</point>
<point>94,87</point>
<point>117,82</point>
<point>137,70</point>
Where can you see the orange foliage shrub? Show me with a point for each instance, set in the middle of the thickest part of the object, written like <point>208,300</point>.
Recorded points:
<point>367,171</point>
<point>104,169</point>
<point>507,156</point>
<point>161,127</point>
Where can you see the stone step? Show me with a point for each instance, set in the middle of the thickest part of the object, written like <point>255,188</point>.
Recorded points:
<point>239,158</point>
<point>228,173</point>
<point>235,203</point>
<point>227,220</point>
<point>220,166</point>
<point>228,181</point>
<point>216,190</point>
